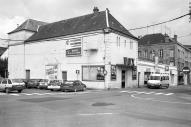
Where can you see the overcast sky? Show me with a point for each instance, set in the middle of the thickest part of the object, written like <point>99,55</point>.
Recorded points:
<point>130,13</point>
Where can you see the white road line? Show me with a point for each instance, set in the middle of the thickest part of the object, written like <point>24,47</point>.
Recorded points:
<point>14,94</point>
<point>169,94</point>
<point>158,93</point>
<point>37,94</point>
<point>123,91</point>
<point>150,93</point>
<point>92,114</point>
<point>48,93</point>
<point>26,93</point>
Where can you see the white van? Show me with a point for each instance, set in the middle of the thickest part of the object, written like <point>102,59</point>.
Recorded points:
<point>158,80</point>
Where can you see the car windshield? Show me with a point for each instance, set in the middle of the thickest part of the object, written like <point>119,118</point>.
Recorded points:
<point>17,80</point>
<point>154,78</point>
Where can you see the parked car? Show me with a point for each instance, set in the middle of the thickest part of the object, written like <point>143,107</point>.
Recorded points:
<point>74,86</point>
<point>11,85</point>
<point>32,83</point>
<point>43,84</point>
<point>54,85</point>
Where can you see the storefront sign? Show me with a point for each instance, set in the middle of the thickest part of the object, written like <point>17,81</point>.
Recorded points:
<point>186,70</point>
<point>51,71</point>
<point>74,47</point>
<point>113,72</point>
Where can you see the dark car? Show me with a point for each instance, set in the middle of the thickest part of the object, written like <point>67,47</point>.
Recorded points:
<point>32,83</point>
<point>74,86</point>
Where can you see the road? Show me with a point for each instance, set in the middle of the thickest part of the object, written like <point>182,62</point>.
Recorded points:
<point>131,107</point>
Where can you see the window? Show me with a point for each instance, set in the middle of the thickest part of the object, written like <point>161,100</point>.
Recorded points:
<point>131,44</point>
<point>161,53</point>
<point>139,53</point>
<point>4,81</point>
<point>93,73</point>
<point>9,81</point>
<point>171,53</point>
<point>118,41</point>
<point>146,54</point>
<point>125,43</point>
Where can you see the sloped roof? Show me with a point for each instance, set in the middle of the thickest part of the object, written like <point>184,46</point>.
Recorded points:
<point>152,39</point>
<point>81,24</point>
<point>30,25</point>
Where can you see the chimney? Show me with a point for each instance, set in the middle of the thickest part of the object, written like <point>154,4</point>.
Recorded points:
<point>95,10</point>
<point>175,37</point>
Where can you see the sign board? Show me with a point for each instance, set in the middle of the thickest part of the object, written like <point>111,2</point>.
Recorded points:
<point>113,72</point>
<point>77,71</point>
<point>51,71</point>
<point>186,70</point>
<point>74,47</point>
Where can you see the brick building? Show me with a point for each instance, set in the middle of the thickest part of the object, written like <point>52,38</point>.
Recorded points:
<point>168,50</point>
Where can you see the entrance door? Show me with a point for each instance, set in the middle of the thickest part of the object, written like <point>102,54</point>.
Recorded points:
<point>64,75</point>
<point>123,79</point>
<point>27,74</point>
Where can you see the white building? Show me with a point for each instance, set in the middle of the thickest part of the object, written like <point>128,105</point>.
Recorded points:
<point>93,48</point>
<point>145,68</point>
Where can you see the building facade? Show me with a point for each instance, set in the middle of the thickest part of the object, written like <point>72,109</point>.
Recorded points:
<point>169,51</point>
<point>93,48</point>
<point>145,68</point>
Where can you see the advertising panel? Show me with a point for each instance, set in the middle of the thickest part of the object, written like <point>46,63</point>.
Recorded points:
<point>51,71</point>
<point>74,47</point>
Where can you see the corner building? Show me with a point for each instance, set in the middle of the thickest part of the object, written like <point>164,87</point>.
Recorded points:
<point>93,48</point>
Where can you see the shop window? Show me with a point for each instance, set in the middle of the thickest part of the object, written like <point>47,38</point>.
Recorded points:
<point>93,73</point>
<point>139,53</point>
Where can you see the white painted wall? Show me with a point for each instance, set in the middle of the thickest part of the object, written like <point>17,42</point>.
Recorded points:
<point>39,54</point>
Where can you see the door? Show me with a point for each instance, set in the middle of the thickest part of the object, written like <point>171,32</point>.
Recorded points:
<point>64,75</point>
<point>123,79</point>
<point>27,74</point>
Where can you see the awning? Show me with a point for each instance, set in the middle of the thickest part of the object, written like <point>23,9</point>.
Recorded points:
<point>123,66</point>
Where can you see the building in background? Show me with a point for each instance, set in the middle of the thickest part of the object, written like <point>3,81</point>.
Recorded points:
<point>169,51</point>
<point>93,48</point>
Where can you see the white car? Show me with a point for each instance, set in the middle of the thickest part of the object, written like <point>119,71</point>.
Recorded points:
<point>54,85</point>
<point>11,85</point>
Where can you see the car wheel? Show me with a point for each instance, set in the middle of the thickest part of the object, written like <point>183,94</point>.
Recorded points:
<point>19,91</point>
<point>160,86</point>
<point>167,86</point>
<point>84,89</point>
<point>51,90</point>
<point>6,90</point>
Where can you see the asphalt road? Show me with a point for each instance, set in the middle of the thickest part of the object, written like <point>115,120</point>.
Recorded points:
<point>115,108</point>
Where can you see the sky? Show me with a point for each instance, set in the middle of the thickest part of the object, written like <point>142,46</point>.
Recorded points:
<point>130,13</point>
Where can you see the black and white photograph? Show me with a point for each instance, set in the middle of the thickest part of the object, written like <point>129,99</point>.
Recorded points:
<point>95,63</point>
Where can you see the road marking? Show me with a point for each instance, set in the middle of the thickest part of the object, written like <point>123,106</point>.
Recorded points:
<point>143,92</point>
<point>26,93</point>
<point>14,94</point>
<point>92,114</point>
<point>169,94</point>
<point>158,93</point>
<point>37,94</point>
